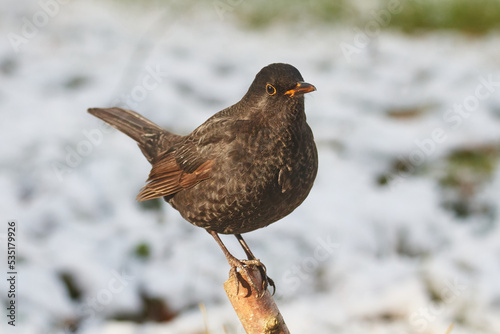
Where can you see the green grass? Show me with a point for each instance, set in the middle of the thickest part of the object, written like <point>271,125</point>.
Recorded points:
<point>465,173</point>
<point>467,16</point>
<point>143,250</point>
<point>261,14</point>
<point>474,166</point>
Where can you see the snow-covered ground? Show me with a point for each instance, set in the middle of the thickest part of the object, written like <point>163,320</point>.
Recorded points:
<point>359,256</point>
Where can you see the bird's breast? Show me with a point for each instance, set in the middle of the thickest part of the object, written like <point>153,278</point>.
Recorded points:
<point>258,178</point>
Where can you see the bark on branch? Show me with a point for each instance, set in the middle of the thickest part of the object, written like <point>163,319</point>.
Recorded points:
<point>257,315</point>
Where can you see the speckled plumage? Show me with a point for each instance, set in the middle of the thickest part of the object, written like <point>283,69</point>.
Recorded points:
<point>246,167</point>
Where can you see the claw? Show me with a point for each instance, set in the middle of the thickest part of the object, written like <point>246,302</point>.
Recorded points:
<point>243,265</point>
<point>271,283</point>
<point>266,280</point>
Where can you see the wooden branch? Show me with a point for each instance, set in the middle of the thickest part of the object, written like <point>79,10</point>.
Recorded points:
<point>257,315</point>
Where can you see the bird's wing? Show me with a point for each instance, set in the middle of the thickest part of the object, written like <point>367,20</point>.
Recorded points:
<point>191,161</point>
<point>168,176</point>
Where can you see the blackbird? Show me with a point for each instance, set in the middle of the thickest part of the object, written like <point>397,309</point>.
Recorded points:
<point>246,167</point>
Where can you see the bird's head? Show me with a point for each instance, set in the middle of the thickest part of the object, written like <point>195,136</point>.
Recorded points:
<point>278,85</point>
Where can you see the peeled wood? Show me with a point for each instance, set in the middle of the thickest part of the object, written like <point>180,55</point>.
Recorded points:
<point>257,315</point>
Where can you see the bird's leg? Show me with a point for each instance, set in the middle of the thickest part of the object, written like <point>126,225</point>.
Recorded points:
<point>245,247</point>
<point>235,263</point>
<point>262,268</point>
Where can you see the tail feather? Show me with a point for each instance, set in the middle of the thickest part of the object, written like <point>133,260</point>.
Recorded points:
<point>150,137</point>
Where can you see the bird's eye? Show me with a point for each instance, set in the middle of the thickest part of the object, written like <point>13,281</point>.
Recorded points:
<point>270,89</point>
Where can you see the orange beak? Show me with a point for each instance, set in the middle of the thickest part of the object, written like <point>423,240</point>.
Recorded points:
<point>301,88</point>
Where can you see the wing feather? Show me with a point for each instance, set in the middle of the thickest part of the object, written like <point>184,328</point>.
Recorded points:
<point>167,178</point>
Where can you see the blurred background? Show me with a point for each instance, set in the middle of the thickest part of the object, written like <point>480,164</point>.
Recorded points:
<point>400,233</point>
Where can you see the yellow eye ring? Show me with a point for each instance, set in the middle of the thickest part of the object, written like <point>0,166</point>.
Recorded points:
<point>270,89</point>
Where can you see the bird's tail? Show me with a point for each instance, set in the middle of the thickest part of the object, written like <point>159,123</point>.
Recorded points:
<point>151,138</point>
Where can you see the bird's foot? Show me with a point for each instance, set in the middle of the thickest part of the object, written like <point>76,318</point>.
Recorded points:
<point>244,265</point>
<point>266,280</point>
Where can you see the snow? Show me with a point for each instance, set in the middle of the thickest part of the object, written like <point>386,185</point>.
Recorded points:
<point>356,257</point>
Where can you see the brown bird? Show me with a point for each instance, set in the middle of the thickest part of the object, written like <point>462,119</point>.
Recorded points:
<point>246,167</point>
